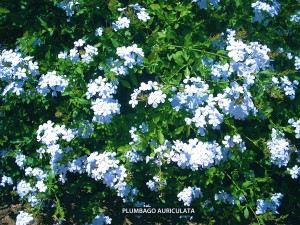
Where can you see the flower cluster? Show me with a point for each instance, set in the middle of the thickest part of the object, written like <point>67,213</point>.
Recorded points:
<point>264,205</point>
<point>187,195</point>
<point>203,3</point>
<point>195,99</point>
<point>236,101</point>
<point>221,72</point>
<point>132,55</point>
<point>106,167</point>
<point>23,188</point>
<point>297,62</point>
<point>133,156</point>
<point>285,84</point>
<point>100,220</point>
<point>15,70</point>
<point>154,98</point>
<point>85,129</point>
<point>24,218</point>
<point>6,181</point>
<point>129,57</point>
<point>123,22</point>
<point>103,104</point>
<point>194,94</point>
<point>294,171</point>
<point>295,17</point>
<point>223,196</point>
<point>195,154</point>
<point>235,141</point>
<point>99,31</point>
<point>20,159</point>
<point>69,7</point>
<point>29,191</point>
<point>49,134</point>
<point>262,10</point>
<point>279,148</point>
<point>52,82</point>
<point>156,183</point>
<point>296,125</point>
<point>247,59</point>
<point>79,52</point>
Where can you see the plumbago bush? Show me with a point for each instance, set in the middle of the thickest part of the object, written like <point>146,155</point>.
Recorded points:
<point>158,103</point>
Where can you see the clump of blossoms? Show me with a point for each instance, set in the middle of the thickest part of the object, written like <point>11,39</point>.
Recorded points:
<point>156,183</point>
<point>221,72</point>
<point>103,104</point>
<point>264,205</point>
<point>296,125</point>
<point>52,82</point>
<point>15,70</point>
<point>262,10</point>
<point>195,154</point>
<point>106,167</point>
<point>295,17</point>
<point>99,31</point>
<point>223,196</point>
<point>85,129</point>
<point>203,3</point>
<point>23,188</point>
<point>294,171</point>
<point>121,23</point>
<point>297,62</point>
<point>128,58</point>
<point>236,101</point>
<point>133,156</point>
<point>100,219</point>
<point>195,98</point>
<point>154,98</point>
<point>29,190</point>
<point>247,59</point>
<point>279,148</point>
<point>286,85</point>
<point>49,135</point>
<point>235,141</point>
<point>6,181</point>
<point>124,22</point>
<point>20,159</point>
<point>24,218</point>
<point>187,195</point>
<point>70,7</point>
<point>79,52</point>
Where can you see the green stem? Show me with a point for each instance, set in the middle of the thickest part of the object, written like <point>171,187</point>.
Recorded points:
<point>199,50</point>
<point>244,193</point>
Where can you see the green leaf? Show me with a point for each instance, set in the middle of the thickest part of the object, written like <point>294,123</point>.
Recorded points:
<point>4,11</point>
<point>178,57</point>
<point>179,130</point>
<point>43,23</point>
<point>246,213</point>
<point>156,119</point>
<point>155,7</point>
<point>78,70</point>
<point>161,137</point>
<point>125,83</point>
<point>187,72</point>
<point>247,184</point>
<point>133,79</point>
<point>124,149</point>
